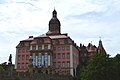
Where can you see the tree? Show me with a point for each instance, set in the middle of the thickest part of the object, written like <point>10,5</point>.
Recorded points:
<point>1,69</point>
<point>98,68</point>
<point>116,66</point>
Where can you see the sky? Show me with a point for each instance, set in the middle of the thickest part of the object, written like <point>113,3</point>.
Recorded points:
<point>85,21</point>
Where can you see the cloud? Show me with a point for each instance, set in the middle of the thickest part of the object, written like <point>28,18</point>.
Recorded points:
<point>90,19</point>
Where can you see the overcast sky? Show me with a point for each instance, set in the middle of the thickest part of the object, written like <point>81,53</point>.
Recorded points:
<point>84,21</point>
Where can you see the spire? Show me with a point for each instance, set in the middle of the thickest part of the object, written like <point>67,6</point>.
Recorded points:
<point>54,13</point>
<point>100,42</point>
<point>100,47</point>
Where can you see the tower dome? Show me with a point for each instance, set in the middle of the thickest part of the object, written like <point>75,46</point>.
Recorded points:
<point>54,24</point>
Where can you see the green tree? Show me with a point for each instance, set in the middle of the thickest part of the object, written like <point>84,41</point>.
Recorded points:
<point>17,78</point>
<point>98,68</point>
<point>116,66</point>
<point>1,69</point>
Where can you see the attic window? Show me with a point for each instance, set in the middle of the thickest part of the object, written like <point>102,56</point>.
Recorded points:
<point>41,41</point>
<point>57,41</point>
<point>22,44</point>
<point>66,41</point>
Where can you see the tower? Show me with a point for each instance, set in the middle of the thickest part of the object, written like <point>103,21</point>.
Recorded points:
<point>54,25</point>
<point>100,47</point>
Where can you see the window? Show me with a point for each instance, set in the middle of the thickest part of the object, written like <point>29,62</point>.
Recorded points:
<point>57,41</point>
<point>26,65</point>
<point>46,46</point>
<point>18,65</point>
<point>23,57</point>
<point>58,48</point>
<point>81,54</point>
<point>19,50</point>
<point>54,48</point>
<point>23,50</point>
<point>46,59</point>
<point>65,41</point>
<point>34,48</point>
<point>85,54</point>
<point>39,47</point>
<point>34,59</point>
<point>41,41</point>
<point>22,65</point>
<point>63,64</point>
<point>54,55</point>
<point>68,55</point>
<point>54,64</point>
<point>63,55</point>
<point>22,44</point>
<point>63,48</point>
<point>59,64</point>
<point>39,59</point>
<point>58,55</point>
<point>27,57</point>
<point>68,64</point>
<point>27,50</point>
<point>18,57</point>
<point>68,48</point>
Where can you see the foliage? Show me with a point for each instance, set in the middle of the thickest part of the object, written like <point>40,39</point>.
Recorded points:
<point>1,69</point>
<point>116,61</point>
<point>101,67</point>
<point>17,78</point>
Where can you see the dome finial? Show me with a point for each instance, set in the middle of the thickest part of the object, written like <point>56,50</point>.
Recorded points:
<point>54,13</point>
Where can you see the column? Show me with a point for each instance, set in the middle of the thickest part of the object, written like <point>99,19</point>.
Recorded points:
<point>36,63</point>
<point>49,60</point>
<point>34,59</point>
<point>71,60</point>
<point>39,59</point>
<point>30,47</point>
<point>43,60</point>
<point>36,47</point>
<point>49,46</point>
<point>42,46</point>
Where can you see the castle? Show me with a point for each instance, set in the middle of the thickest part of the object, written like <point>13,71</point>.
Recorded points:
<point>53,52</point>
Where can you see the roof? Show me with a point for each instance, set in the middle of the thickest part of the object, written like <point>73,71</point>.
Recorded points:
<point>43,35</point>
<point>29,39</point>
<point>54,36</point>
<point>58,36</point>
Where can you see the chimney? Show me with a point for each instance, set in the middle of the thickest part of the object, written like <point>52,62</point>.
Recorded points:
<point>30,36</point>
